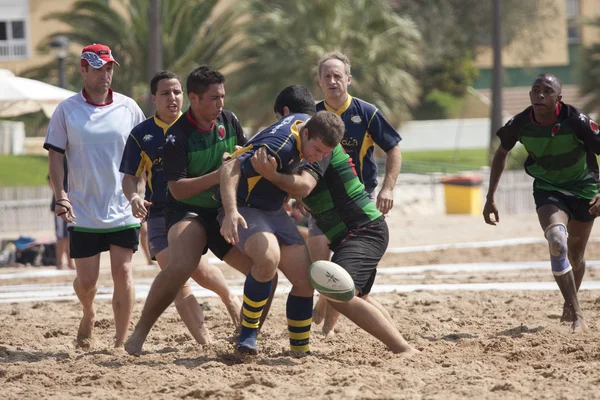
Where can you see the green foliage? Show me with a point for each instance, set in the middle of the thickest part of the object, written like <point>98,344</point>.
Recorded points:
<point>23,170</point>
<point>453,75</point>
<point>436,105</point>
<point>473,158</point>
<point>286,39</point>
<point>191,34</point>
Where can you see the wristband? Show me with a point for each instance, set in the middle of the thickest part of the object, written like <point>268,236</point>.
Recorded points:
<point>134,197</point>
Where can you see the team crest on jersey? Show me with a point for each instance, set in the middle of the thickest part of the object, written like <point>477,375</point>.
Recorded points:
<point>594,127</point>
<point>147,137</point>
<point>221,132</point>
<point>356,119</point>
<point>555,129</point>
<point>170,139</point>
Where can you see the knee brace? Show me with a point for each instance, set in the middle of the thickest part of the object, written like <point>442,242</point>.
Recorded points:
<point>556,234</point>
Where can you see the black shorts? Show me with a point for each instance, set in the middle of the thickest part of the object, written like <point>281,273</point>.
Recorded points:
<point>88,244</point>
<point>576,207</point>
<point>359,253</point>
<point>208,218</point>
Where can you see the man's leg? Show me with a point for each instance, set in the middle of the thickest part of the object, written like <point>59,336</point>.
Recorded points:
<point>243,264</point>
<point>579,234</point>
<point>370,319</point>
<point>263,249</point>
<point>144,242</point>
<point>187,241</point>
<point>62,252</point>
<point>318,247</point>
<point>554,222</point>
<point>187,306</point>
<point>380,307</point>
<point>211,277</point>
<point>295,261</point>
<point>124,293</point>
<point>87,269</point>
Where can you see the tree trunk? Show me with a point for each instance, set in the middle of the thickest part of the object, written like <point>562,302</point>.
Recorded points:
<point>497,75</point>
<point>155,49</point>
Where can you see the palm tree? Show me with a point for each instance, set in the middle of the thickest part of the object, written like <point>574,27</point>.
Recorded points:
<point>284,41</point>
<point>192,34</point>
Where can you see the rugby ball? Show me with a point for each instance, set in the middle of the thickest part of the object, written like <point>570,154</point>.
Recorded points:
<point>331,281</point>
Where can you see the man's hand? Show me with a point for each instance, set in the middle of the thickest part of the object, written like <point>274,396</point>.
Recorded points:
<point>489,209</point>
<point>64,209</point>
<point>385,200</point>
<point>229,227</point>
<point>139,207</point>
<point>302,207</point>
<point>595,205</point>
<point>264,164</point>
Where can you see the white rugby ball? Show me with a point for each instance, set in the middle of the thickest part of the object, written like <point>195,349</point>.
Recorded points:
<point>331,281</point>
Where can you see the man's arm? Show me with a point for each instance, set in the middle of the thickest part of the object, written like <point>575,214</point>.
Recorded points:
<point>56,169</point>
<point>230,179</point>
<point>139,206</point>
<point>498,165</point>
<point>188,187</point>
<point>393,163</point>
<point>298,186</point>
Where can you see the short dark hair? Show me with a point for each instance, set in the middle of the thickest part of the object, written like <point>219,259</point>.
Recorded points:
<point>297,98</point>
<point>550,77</point>
<point>200,79</point>
<point>159,76</point>
<point>326,126</point>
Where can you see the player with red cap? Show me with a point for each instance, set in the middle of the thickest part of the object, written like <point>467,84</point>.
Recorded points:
<point>90,129</point>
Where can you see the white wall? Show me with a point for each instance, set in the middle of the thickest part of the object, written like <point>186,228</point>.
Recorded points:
<point>446,134</point>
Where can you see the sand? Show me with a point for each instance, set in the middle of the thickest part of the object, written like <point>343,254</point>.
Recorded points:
<point>475,344</point>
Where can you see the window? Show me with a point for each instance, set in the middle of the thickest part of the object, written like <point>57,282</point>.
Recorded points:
<point>3,33</point>
<point>18,29</point>
<point>573,26</point>
<point>13,40</point>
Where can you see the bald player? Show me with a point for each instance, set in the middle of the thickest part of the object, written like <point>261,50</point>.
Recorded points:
<point>561,142</point>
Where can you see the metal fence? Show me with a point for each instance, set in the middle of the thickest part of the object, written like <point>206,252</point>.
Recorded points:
<point>27,210</point>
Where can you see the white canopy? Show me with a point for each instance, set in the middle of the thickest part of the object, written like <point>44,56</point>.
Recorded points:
<point>20,96</point>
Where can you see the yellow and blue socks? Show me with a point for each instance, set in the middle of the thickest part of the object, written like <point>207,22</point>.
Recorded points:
<point>256,295</point>
<point>299,316</point>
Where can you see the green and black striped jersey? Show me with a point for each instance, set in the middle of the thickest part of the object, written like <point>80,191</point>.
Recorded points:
<point>191,151</point>
<point>561,154</point>
<point>339,202</point>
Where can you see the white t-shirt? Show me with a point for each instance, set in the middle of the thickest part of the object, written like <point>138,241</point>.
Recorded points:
<point>93,138</point>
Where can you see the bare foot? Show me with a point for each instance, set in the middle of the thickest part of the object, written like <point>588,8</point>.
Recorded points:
<point>319,310</point>
<point>329,335</point>
<point>72,266</point>
<point>409,353</point>
<point>205,337</point>
<point>234,306</point>
<point>578,325</point>
<point>568,315</point>
<point>134,344</point>
<point>84,334</point>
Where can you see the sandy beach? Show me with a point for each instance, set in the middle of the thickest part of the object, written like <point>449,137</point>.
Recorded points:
<point>486,331</point>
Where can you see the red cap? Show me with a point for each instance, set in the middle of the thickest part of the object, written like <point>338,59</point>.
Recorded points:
<point>96,55</point>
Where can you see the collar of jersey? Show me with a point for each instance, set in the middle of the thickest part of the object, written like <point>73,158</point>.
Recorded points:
<point>164,125</point>
<point>340,110</point>
<point>193,122</point>
<point>557,111</point>
<point>294,129</point>
<point>87,100</point>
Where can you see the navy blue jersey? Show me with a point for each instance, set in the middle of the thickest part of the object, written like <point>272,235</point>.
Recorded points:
<point>144,152</point>
<point>365,127</point>
<point>282,141</point>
